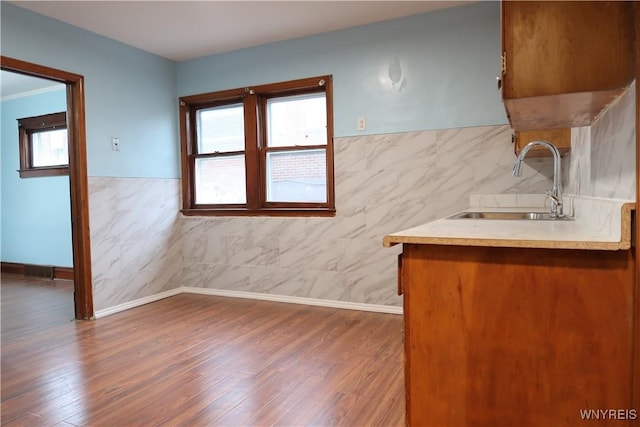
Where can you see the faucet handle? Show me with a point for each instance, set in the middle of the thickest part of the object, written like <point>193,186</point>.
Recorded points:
<point>552,196</point>
<point>556,208</point>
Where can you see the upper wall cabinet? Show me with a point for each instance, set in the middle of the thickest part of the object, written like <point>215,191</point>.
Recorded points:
<point>563,62</point>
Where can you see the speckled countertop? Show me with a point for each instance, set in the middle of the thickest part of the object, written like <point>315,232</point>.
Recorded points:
<point>598,224</point>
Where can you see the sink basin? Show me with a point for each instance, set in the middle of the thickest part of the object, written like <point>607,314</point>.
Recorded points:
<point>536,216</point>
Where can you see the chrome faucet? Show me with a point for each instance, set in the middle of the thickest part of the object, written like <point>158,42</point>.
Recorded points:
<point>556,192</point>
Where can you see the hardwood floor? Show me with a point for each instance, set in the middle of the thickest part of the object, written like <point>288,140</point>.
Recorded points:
<point>32,305</point>
<point>196,360</point>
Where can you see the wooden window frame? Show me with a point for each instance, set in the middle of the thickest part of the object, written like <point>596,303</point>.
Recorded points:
<point>29,126</point>
<point>254,100</point>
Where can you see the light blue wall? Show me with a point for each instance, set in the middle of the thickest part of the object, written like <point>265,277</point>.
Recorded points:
<point>129,93</point>
<point>36,212</point>
<point>445,64</point>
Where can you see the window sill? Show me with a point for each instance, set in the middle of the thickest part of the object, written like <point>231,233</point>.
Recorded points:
<point>281,212</point>
<point>44,171</point>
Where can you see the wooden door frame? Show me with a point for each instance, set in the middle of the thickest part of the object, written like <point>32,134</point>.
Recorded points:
<point>79,187</point>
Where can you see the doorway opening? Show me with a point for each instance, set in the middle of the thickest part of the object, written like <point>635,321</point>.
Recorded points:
<point>79,192</point>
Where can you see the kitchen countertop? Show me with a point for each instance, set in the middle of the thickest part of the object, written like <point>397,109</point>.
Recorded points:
<point>598,224</point>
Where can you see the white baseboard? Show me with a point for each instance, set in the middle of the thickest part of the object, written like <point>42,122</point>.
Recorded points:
<point>138,302</point>
<point>297,300</point>
<point>377,308</point>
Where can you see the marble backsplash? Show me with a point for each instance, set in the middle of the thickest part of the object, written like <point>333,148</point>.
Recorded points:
<point>384,183</point>
<point>602,158</point>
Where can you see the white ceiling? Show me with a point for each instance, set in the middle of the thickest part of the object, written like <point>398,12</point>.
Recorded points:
<point>181,30</point>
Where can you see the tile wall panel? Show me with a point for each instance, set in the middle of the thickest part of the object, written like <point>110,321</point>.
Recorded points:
<point>136,238</point>
<point>602,160</point>
<point>384,183</point>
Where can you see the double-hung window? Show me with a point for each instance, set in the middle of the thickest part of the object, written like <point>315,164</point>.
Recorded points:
<point>262,150</point>
<point>44,145</point>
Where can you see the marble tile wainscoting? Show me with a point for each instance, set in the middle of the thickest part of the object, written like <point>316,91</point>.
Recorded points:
<point>384,183</point>
<point>143,248</point>
<point>136,242</point>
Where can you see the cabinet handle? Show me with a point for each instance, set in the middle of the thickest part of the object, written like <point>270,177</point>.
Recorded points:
<point>499,79</point>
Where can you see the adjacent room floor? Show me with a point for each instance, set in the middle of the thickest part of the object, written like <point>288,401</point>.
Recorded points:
<point>196,360</point>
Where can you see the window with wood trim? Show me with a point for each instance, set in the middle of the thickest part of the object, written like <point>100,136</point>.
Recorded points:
<point>260,150</point>
<point>44,145</point>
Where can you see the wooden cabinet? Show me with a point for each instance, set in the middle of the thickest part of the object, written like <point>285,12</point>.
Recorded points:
<point>564,61</point>
<point>517,337</point>
<point>561,138</point>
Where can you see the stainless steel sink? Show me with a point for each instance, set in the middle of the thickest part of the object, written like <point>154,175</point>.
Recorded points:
<point>536,216</point>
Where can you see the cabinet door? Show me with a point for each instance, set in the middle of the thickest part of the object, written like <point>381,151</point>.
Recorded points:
<point>564,61</point>
<point>517,337</point>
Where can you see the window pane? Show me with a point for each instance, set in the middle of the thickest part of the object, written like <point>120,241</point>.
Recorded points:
<point>221,129</point>
<point>297,120</point>
<point>50,148</point>
<point>220,180</point>
<point>297,176</point>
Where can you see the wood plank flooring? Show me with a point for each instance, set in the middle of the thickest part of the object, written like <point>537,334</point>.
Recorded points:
<point>194,360</point>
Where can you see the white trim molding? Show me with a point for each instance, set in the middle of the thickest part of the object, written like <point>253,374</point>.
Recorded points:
<point>136,303</point>
<point>346,305</point>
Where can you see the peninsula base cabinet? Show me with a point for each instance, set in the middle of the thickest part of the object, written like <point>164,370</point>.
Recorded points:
<point>519,337</point>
